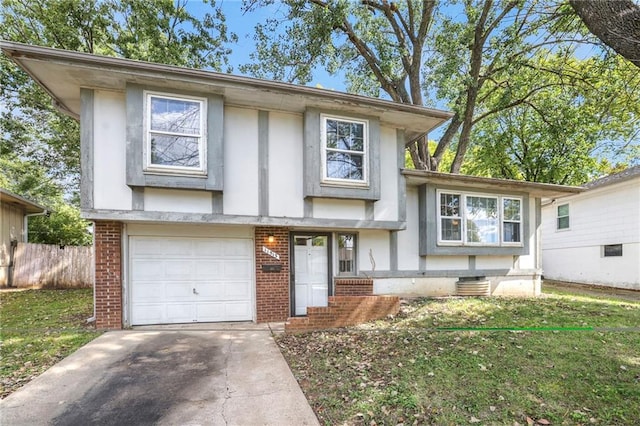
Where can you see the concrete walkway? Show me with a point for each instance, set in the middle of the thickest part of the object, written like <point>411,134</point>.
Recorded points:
<point>210,374</point>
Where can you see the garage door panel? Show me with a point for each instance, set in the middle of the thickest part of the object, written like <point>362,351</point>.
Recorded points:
<point>183,280</point>
<point>237,268</point>
<point>178,269</point>
<point>209,268</point>
<point>145,269</point>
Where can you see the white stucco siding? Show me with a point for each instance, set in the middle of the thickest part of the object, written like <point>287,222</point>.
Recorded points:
<point>443,263</point>
<point>494,262</point>
<point>110,190</point>
<point>329,208</point>
<point>286,198</point>
<point>387,207</point>
<point>603,216</point>
<point>177,200</point>
<point>373,248</point>
<point>192,231</point>
<point>409,239</point>
<point>240,194</point>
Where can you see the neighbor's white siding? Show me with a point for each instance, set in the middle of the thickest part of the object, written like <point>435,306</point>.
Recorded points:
<point>110,190</point>
<point>286,197</point>
<point>602,216</point>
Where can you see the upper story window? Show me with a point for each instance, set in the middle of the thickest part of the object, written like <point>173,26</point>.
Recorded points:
<point>563,217</point>
<point>483,220</point>
<point>175,134</point>
<point>345,150</point>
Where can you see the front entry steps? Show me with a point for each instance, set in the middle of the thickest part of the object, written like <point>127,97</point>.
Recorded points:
<point>344,311</point>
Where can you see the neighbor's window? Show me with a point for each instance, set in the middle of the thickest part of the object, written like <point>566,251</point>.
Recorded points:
<point>175,133</point>
<point>563,216</point>
<point>346,254</point>
<point>612,250</point>
<point>345,144</point>
<point>473,219</point>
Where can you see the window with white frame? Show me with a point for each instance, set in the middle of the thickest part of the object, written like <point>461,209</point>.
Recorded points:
<point>346,254</point>
<point>175,133</point>
<point>345,146</point>
<point>563,217</point>
<point>476,219</point>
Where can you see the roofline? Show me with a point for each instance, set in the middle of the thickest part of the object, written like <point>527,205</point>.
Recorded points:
<point>23,201</point>
<point>541,189</point>
<point>15,51</point>
<point>623,176</point>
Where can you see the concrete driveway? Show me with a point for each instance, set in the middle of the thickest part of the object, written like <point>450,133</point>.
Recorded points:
<point>227,374</point>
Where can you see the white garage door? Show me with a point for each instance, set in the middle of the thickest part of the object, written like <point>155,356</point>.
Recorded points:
<point>181,280</point>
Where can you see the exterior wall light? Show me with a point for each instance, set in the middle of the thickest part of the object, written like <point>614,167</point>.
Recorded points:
<point>271,238</point>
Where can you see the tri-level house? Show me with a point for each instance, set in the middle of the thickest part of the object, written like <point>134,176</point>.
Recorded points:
<point>224,198</point>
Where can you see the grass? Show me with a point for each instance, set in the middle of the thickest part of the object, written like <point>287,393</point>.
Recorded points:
<point>577,362</point>
<point>38,329</point>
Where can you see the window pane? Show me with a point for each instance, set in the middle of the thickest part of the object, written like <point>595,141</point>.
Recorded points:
<point>482,220</point>
<point>346,253</point>
<point>176,116</point>
<point>511,209</point>
<point>345,135</point>
<point>451,230</point>
<point>563,210</point>
<point>511,232</point>
<point>344,166</point>
<point>613,250</point>
<point>174,150</point>
<point>450,205</point>
<point>563,222</point>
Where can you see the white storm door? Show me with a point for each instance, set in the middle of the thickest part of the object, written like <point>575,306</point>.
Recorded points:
<point>311,254</point>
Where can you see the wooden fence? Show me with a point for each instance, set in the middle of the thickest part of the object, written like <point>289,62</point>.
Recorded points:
<point>52,266</point>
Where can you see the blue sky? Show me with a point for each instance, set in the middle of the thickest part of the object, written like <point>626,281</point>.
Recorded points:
<point>243,25</point>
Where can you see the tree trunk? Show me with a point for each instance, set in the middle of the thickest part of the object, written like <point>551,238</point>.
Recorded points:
<point>615,23</point>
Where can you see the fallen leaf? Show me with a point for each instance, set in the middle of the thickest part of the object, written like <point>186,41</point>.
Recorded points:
<point>474,420</point>
<point>530,421</point>
<point>492,408</point>
<point>544,422</point>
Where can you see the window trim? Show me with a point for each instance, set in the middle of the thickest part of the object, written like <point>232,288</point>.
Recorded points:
<point>151,168</point>
<point>365,152</point>
<point>463,216</point>
<point>558,217</point>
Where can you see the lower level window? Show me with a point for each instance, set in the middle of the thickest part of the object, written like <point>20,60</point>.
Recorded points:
<point>474,219</point>
<point>612,250</point>
<point>346,254</point>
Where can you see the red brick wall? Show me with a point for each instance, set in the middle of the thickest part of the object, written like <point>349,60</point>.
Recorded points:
<point>272,288</point>
<point>108,283</point>
<point>344,311</point>
<point>354,287</point>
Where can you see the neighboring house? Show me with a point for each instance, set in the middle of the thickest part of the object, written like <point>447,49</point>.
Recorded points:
<point>14,211</point>
<point>225,198</point>
<point>594,237</point>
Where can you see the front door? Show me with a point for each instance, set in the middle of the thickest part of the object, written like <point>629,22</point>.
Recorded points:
<point>311,271</point>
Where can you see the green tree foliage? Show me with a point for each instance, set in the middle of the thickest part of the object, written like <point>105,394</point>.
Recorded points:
<point>564,133</point>
<point>455,54</point>
<point>63,225</point>
<point>40,145</point>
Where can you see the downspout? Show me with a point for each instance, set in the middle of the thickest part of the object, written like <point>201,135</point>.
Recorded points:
<point>93,275</point>
<point>13,245</point>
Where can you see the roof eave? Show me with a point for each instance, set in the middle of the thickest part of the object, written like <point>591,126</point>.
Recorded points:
<point>419,177</point>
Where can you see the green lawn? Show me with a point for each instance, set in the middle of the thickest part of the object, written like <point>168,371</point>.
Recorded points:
<point>38,329</point>
<point>559,359</point>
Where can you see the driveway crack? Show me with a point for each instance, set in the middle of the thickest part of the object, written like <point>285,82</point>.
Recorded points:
<point>227,391</point>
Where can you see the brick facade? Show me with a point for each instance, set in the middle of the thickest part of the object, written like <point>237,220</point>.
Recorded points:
<point>354,287</point>
<point>344,311</point>
<point>272,288</point>
<point>108,278</point>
